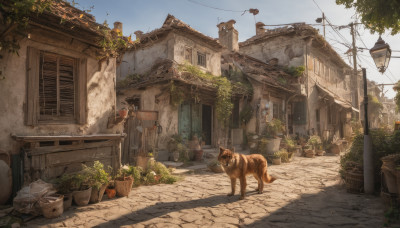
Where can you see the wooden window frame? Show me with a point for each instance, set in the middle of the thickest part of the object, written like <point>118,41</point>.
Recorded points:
<point>199,59</point>
<point>32,111</point>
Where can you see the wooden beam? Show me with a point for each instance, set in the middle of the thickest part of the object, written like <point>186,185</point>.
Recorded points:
<point>56,149</point>
<point>68,137</point>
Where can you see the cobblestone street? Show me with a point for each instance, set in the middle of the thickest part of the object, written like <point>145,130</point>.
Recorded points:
<point>308,193</point>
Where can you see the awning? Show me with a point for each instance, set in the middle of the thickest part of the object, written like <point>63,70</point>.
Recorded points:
<point>336,98</point>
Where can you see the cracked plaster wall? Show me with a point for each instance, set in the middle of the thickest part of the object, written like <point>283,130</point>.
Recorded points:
<point>100,91</point>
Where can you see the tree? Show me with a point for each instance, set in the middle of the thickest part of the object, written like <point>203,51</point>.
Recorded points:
<point>376,15</point>
<point>397,97</point>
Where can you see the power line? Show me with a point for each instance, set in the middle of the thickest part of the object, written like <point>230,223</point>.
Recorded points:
<point>216,8</point>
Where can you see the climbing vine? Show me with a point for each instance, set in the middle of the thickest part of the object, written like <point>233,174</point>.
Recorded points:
<point>15,16</point>
<point>177,95</point>
<point>295,71</point>
<point>223,104</point>
<point>397,97</point>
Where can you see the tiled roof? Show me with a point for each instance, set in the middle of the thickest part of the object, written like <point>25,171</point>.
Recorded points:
<point>272,75</point>
<point>171,23</point>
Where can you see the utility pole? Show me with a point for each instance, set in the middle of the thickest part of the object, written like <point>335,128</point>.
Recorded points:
<point>355,73</point>
<point>323,22</point>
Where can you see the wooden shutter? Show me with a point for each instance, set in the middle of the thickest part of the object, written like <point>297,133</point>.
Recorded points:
<point>31,114</point>
<point>82,91</point>
<point>66,87</point>
<point>48,81</point>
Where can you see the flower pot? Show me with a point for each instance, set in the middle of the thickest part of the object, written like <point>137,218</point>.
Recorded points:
<point>319,152</point>
<point>97,194</point>
<point>354,182</point>
<point>123,113</point>
<point>81,198</point>
<point>276,161</point>
<point>273,145</point>
<point>111,192</point>
<point>309,153</point>
<point>198,155</point>
<point>123,186</point>
<point>67,201</point>
<point>52,206</point>
<point>216,168</point>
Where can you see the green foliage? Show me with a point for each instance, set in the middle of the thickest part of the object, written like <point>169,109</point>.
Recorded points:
<point>223,104</point>
<point>15,14</point>
<point>397,96</point>
<point>274,127</point>
<point>283,154</point>
<point>157,173</point>
<point>377,15</point>
<point>177,95</point>
<point>246,114</point>
<point>112,42</point>
<point>290,143</point>
<point>96,174</point>
<point>295,71</point>
<point>383,144</point>
<point>374,105</point>
<point>356,126</point>
<point>315,141</point>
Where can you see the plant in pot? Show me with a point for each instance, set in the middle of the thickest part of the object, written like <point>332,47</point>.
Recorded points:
<point>64,186</point>
<point>82,189</point>
<point>276,159</point>
<point>110,190</point>
<point>290,147</point>
<point>99,180</point>
<point>273,129</point>
<point>123,181</point>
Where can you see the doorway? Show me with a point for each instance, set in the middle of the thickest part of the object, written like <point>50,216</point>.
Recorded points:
<point>206,123</point>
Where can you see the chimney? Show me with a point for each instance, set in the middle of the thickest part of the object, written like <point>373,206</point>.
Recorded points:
<point>228,35</point>
<point>118,27</point>
<point>138,34</point>
<point>260,28</point>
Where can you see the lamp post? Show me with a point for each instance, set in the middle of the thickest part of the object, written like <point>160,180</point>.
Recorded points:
<point>381,54</point>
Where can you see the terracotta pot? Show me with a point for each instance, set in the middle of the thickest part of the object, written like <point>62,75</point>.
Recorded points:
<point>123,113</point>
<point>111,192</point>
<point>198,155</point>
<point>97,194</point>
<point>81,198</point>
<point>123,187</point>
<point>52,206</point>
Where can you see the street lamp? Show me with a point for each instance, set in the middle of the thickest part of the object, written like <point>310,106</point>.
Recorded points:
<point>381,54</point>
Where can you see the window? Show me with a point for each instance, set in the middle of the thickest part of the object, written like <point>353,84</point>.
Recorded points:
<point>188,54</point>
<point>201,59</point>
<point>56,88</point>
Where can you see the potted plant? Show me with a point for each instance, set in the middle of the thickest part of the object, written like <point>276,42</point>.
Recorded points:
<point>215,166</point>
<point>290,147</point>
<point>277,159</point>
<point>99,180</point>
<point>64,186</point>
<point>81,183</point>
<point>123,182</point>
<point>123,112</point>
<point>110,190</point>
<point>273,129</point>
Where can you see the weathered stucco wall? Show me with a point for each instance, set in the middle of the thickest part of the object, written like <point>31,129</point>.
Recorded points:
<point>213,58</point>
<point>167,114</point>
<point>289,51</point>
<point>13,91</point>
<point>140,60</point>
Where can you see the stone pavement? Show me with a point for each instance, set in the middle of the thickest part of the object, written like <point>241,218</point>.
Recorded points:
<point>308,193</point>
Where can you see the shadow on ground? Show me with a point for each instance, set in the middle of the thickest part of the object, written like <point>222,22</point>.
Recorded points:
<point>332,207</point>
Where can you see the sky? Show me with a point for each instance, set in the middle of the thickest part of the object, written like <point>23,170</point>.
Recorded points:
<point>204,15</point>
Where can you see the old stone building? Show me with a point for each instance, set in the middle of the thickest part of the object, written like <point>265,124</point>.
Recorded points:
<point>174,71</point>
<point>56,97</point>
<point>329,102</point>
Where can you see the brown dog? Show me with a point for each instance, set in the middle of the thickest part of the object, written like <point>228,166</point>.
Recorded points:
<point>239,165</point>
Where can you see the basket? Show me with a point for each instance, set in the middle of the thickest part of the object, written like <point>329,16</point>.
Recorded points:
<point>354,182</point>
